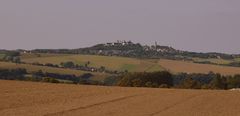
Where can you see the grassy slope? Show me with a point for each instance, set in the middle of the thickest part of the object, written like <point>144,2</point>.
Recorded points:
<point>40,99</point>
<point>111,63</point>
<point>131,64</point>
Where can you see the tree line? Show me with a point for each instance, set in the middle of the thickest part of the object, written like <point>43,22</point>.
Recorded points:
<point>165,79</point>
<point>40,76</point>
<point>11,56</point>
<point>85,67</point>
<point>161,79</point>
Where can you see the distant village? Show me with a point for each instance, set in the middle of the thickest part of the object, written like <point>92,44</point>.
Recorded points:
<point>119,43</point>
<point>154,47</point>
<point>131,49</point>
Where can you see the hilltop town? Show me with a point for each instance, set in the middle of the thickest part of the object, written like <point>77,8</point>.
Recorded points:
<point>137,50</point>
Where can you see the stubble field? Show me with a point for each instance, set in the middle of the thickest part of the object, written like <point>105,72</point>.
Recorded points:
<point>42,99</point>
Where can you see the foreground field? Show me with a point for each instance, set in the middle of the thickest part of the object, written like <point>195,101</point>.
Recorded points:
<point>42,99</point>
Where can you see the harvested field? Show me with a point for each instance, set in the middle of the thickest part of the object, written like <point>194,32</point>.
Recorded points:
<point>42,99</point>
<point>189,67</point>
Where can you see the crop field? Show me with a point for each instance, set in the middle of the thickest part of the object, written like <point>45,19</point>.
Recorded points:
<point>132,64</point>
<point>37,55</point>
<point>189,67</point>
<point>32,68</point>
<point>43,99</point>
<point>213,60</point>
<point>111,63</point>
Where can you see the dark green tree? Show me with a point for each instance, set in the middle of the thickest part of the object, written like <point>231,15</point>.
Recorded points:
<point>69,64</point>
<point>189,83</point>
<point>218,82</point>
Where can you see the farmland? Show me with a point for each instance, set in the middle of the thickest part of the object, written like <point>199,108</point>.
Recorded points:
<point>189,67</point>
<point>42,99</point>
<point>111,63</point>
<point>33,68</point>
<point>213,60</point>
<point>136,65</point>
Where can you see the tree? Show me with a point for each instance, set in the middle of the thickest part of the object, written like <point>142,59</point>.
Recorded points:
<point>16,59</point>
<point>39,73</point>
<point>69,64</point>
<point>12,56</point>
<point>13,53</point>
<point>146,79</point>
<point>8,58</point>
<point>50,65</point>
<point>218,82</point>
<point>87,75</point>
<point>233,82</point>
<point>189,83</point>
<point>102,69</point>
<point>51,80</point>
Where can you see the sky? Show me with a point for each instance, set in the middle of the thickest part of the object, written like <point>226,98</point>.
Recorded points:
<point>193,25</point>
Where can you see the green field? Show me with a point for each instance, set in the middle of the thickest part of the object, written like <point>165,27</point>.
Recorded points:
<point>110,62</point>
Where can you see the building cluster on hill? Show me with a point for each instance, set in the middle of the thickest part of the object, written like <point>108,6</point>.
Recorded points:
<point>136,50</point>
<point>119,43</point>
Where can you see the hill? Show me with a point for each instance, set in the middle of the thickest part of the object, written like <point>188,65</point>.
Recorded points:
<point>110,62</point>
<point>136,50</point>
<point>132,64</point>
<point>42,99</point>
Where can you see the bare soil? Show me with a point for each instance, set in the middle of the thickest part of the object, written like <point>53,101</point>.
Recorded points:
<point>19,98</point>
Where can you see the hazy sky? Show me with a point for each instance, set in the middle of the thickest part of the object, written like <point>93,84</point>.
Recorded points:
<point>195,25</point>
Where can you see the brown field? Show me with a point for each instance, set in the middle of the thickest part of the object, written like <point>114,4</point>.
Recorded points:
<point>189,67</point>
<point>42,99</point>
<point>136,65</point>
<point>109,62</point>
